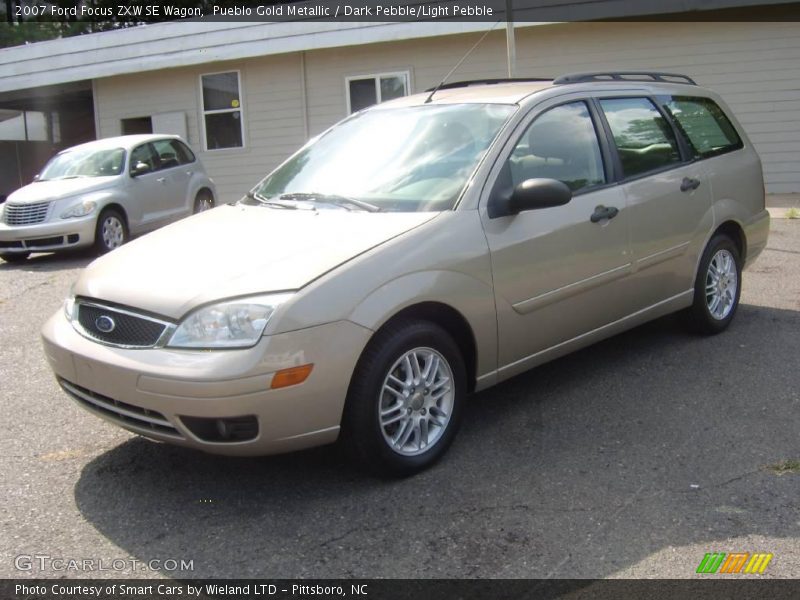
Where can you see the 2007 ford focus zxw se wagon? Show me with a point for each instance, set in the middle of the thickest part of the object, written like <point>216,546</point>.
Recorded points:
<point>418,251</point>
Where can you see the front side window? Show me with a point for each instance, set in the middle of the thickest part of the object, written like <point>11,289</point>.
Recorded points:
<point>704,125</point>
<point>84,163</point>
<point>363,92</point>
<point>644,139</point>
<point>401,159</point>
<point>560,144</point>
<point>144,154</point>
<point>222,111</point>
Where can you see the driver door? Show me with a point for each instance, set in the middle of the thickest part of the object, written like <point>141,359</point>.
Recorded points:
<point>557,273</point>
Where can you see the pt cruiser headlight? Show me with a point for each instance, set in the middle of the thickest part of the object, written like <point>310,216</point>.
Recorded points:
<point>233,324</point>
<point>80,210</point>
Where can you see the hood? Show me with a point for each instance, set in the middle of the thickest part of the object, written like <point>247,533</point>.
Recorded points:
<point>234,251</point>
<point>39,191</point>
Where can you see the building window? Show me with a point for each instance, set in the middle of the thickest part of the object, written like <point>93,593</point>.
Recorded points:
<point>222,110</point>
<point>137,125</point>
<point>366,90</point>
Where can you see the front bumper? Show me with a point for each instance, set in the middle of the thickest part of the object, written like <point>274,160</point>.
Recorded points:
<point>155,392</point>
<point>48,236</point>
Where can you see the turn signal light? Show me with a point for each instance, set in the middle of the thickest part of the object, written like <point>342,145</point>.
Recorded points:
<point>291,376</point>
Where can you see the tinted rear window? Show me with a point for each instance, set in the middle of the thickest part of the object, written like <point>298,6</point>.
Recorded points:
<point>705,126</point>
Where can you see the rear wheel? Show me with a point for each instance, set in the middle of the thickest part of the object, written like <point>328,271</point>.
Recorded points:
<point>15,257</point>
<point>404,404</point>
<point>204,201</point>
<point>111,231</point>
<point>717,287</point>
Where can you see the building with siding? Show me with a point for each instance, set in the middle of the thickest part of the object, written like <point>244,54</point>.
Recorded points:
<point>246,95</point>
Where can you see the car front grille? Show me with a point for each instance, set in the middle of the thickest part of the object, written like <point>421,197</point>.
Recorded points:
<point>117,326</point>
<point>25,214</point>
<point>121,412</point>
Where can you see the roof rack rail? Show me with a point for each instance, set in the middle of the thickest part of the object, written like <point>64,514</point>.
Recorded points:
<point>624,76</point>
<point>459,84</point>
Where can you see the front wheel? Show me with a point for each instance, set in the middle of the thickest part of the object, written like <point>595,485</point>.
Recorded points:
<point>111,231</point>
<point>717,287</point>
<point>404,404</point>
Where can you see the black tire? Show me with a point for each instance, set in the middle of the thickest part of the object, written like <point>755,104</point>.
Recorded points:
<point>15,257</point>
<point>203,201</point>
<point>362,431</point>
<point>699,316</point>
<point>112,218</point>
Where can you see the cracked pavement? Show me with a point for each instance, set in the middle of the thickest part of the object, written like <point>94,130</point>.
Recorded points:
<point>631,458</point>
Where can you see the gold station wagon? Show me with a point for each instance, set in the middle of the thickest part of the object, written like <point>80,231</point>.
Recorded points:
<point>417,251</point>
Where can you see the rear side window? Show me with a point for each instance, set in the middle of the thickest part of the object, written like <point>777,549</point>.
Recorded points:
<point>645,140</point>
<point>706,127</point>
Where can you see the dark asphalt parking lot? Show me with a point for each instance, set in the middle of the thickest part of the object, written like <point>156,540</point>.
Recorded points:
<point>631,458</point>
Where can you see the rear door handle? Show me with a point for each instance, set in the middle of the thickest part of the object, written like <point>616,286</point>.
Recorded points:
<point>689,184</point>
<point>604,212</point>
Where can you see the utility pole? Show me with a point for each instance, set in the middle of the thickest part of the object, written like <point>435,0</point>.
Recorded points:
<point>511,47</point>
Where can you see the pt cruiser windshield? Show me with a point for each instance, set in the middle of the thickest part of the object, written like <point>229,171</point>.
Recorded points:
<point>410,159</point>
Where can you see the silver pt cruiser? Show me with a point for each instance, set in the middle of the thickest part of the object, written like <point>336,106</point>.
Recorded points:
<point>415,252</point>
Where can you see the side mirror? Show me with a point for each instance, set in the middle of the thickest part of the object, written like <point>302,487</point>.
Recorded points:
<point>531,194</point>
<point>140,168</point>
<point>37,177</point>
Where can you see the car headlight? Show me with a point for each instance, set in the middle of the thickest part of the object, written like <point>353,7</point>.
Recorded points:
<point>80,210</point>
<point>69,307</point>
<point>232,324</point>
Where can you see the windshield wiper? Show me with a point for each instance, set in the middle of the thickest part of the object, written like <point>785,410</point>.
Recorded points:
<point>330,198</point>
<point>267,202</point>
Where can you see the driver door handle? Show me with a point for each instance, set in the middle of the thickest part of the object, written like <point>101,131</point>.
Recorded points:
<point>689,183</point>
<point>161,180</point>
<point>604,212</point>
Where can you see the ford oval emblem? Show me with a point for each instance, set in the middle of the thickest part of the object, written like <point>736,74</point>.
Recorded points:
<point>105,324</point>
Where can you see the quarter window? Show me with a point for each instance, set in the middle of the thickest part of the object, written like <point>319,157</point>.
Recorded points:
<point>373,89</point>
<point>222,110</point>
<point>560,144</point>
<point>644,139</point>
<point>705,126</point>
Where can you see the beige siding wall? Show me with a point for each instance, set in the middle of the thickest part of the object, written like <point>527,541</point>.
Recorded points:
<point>755,66</point>
<point>271,100</point>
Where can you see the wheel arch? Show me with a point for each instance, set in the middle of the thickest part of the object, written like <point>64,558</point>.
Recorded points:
<point>119,208</point>
<point>449,319</point>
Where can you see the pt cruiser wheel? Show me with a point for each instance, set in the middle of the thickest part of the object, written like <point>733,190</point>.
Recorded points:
<point>717,287</point>
<point>404,404</point>
<point>111,231</point>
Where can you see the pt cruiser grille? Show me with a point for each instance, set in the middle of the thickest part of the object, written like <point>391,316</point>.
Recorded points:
<point>118,327</point>
<point>25,214</point>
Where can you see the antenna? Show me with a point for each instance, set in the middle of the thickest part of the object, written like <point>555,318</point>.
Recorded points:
<point>458,64</point>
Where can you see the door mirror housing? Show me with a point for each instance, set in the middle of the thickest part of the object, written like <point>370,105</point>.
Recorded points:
<point>531,194</point>
<point>140,168</point>
<point>37,177</point>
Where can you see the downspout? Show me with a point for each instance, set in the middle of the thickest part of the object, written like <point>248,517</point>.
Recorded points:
<point>511,46</point>
<point>304,96</point>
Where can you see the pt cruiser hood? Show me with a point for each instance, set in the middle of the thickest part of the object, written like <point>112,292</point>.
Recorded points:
<point>55,189</point>
<point>233,251</point>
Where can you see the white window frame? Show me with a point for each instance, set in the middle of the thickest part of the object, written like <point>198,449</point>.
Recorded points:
<point>204,112</point>
<point>377,78</point>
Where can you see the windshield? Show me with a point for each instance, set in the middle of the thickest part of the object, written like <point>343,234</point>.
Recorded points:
<point>84,163</point>
<point>402,159</point>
